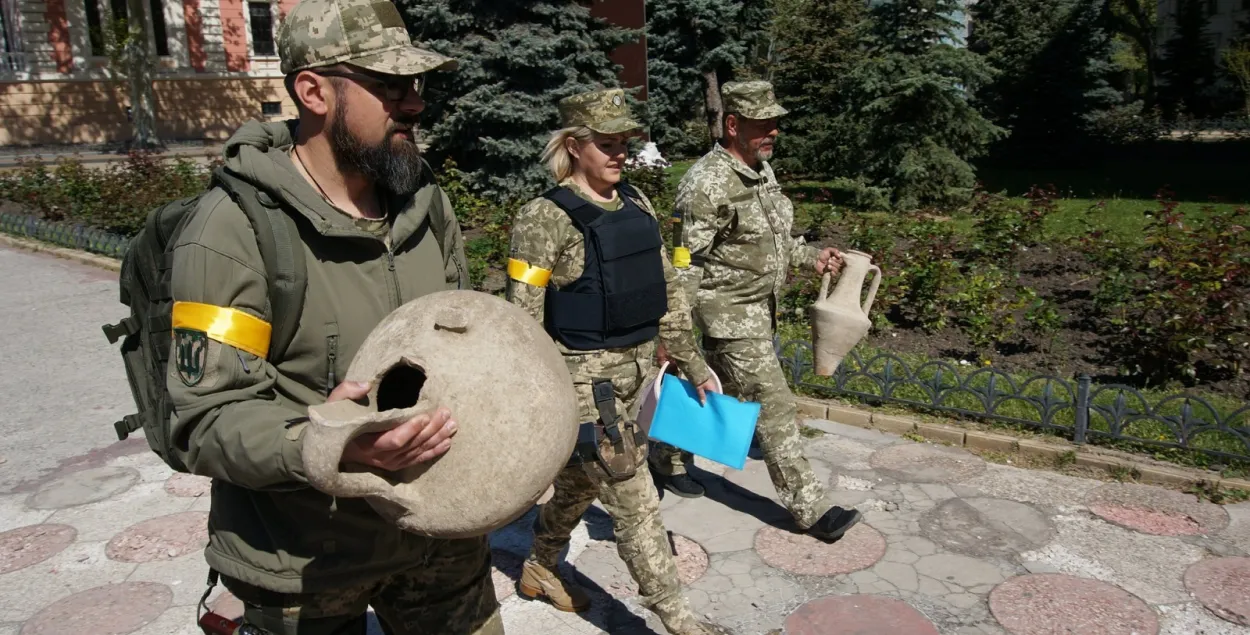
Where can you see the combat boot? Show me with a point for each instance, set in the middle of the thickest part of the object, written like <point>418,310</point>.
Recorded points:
<point>683,485</point>
<point>538,581</point>
<point>834,524</point>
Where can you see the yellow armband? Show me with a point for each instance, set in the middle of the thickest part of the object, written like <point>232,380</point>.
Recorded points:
<point>681,258</point>
<point>228,326</point>
<point>522,271</point>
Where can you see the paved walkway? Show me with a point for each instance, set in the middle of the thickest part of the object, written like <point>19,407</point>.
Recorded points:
<point>100,537</point>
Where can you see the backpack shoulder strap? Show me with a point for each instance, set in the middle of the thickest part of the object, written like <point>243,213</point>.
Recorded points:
<point>277,237</point>
<point>577,208</point>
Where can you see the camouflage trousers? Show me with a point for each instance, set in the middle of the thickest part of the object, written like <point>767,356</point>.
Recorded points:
<point>749,369</point>
<point>633,503</point>
<point>449,591</point>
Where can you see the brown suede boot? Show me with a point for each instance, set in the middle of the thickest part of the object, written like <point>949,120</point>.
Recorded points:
<point>539,582</point>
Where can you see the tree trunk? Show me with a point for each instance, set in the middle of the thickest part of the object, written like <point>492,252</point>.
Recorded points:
<point>142,96</point>
<point>713,106</point>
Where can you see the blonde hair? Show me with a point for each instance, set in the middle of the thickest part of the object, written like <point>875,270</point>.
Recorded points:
<point>556,155</point>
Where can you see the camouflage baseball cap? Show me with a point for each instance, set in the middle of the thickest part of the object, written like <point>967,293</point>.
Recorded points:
<point>604,111</point>
<point>753,100</point>
<point>366,33</point>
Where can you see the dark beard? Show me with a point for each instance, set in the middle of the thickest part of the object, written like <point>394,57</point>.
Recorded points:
<point>394,166</point>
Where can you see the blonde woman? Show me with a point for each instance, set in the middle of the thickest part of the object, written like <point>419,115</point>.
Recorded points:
<point>587,262</point>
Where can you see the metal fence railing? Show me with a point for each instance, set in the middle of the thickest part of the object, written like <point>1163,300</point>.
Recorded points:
<point>73,235</point>
<point>1077,409</point>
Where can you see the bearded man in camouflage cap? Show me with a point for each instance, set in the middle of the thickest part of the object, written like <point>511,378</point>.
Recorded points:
<point>375,232</point>
<point>732,251</point>
<point>587,261</point>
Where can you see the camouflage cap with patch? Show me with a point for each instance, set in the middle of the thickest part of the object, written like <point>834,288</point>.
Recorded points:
<point>604,111</point>
<point>753,100</point>
<point>366,33</point>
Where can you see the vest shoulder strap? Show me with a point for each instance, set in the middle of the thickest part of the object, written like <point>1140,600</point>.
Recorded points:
<point>579,209</point>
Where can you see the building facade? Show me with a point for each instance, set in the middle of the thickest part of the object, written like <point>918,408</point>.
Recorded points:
<point>216,67</point>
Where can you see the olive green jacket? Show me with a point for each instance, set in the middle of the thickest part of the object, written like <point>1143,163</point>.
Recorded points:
<point>242,421</point>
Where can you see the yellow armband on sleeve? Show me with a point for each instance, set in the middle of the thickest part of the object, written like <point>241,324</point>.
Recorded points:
<point>524,272</point>
<point>229,326</point>
<point>681,258</point>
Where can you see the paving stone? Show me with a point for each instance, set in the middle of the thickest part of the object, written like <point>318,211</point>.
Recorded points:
<point>862,434</point>
<point>925,463</point>
<point>161,538</point>
<point>1238,530</point>
<point>188,485</point>
<point>1155,510</point>
<point>25,546</point>
<point>230,607</point>
<point>104,519</point>
<point>1223,586</point>
<point>114,609</point>
<point>14,513</point>
<point>1056,603</point>
<point>958,570</point>
<point>1190,618</point>
<point>150,466</point>
<point>185,575</point>
<point>1029,486</point>
<point>179,620</point>
<point>901,576</point>
<point>846,454</point>
<point>505,572</point>
<point>78,567</point>
<point>987,527</point>
<point>757,608</point>
<point>601,564</point>
<point>1150,567</point>
<point>858,615</point>
<point>859,548</point>
<point>82,487</point>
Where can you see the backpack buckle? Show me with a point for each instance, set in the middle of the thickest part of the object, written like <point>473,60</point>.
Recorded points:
<point>128,424</point>
<point>126,327</point>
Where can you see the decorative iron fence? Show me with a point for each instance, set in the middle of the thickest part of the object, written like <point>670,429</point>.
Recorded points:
<point>73,235</point>
<point>1077,409</point>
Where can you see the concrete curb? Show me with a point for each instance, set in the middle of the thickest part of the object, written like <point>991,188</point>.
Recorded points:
<point>82,257</point>
<point>1107,460</point>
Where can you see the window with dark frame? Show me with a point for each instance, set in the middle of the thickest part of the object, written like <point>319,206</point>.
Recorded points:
<point>95,27</point>
<point>270,108</point>
<point>260,18</point>
<point>157,9</point>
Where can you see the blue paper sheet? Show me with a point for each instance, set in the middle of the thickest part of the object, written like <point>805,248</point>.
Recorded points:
<point>720,431</point>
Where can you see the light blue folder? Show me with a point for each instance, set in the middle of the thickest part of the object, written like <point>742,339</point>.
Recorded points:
<point>720,430</point>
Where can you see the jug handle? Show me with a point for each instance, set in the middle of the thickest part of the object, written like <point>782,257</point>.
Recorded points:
<point>824,286</point>
<point>872,291</point>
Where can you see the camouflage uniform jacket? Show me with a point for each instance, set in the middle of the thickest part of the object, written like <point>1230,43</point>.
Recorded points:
<point>737,221</point>
<point>543,236</point>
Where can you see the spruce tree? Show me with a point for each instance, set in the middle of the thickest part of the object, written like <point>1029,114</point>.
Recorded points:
<point>1056,58</point>
<point>1188,66</point>
<point>692,47</point>
<point>816,45</point>
<point>517,60</point>
<point>913,94</point>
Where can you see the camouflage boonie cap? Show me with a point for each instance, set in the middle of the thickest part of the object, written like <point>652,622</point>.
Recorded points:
<point>604,111</point>
<point>753,100</point>
<point>366,33</point>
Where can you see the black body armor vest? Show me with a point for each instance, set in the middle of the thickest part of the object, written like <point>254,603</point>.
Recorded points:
<point>621,295</point>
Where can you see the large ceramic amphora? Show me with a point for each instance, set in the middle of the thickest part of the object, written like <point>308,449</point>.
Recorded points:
<point>508,389</point>
<point>839,319</point>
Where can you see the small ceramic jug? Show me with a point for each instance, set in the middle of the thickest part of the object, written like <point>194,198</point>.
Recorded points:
<point>839,320</point>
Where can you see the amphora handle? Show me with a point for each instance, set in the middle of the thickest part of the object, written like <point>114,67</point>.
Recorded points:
<point>824,286</point>
<point>872,290</point>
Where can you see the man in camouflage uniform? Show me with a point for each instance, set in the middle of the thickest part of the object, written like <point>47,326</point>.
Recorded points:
<point>733,250</point>
<point>548,253</point>
<point>376,231</point>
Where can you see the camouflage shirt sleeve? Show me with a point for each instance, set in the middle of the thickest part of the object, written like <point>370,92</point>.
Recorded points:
<point>538,239</point>
<point>700,219</point>
<point>677,325</point>
<point>802,254</point>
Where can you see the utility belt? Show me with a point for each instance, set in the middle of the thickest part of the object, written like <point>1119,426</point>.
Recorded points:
<point>612,442</point>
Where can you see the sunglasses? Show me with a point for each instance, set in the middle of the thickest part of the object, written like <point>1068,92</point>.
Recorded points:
<point>395,87</point>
